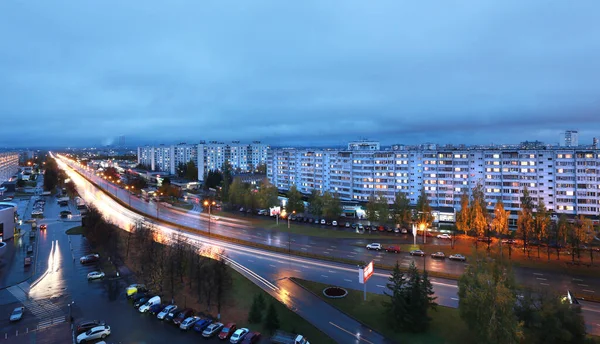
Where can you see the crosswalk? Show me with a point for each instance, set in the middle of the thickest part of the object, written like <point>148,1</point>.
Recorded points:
<point>48,313</point>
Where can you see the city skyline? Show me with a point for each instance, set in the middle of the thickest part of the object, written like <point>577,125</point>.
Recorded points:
<point>299,74</point>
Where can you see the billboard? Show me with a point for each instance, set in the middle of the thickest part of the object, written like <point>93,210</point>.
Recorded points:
<point>365,273</point>
<point>274,211</point>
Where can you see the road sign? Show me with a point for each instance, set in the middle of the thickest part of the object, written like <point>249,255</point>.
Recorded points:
<point>365,273</point>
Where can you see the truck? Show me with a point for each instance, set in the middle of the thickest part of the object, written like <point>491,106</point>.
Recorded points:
<point>281,337</point>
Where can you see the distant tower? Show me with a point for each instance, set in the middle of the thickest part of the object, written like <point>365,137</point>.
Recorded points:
<point>569,138</point>
<point>595,143</point>
<point>121,142</point>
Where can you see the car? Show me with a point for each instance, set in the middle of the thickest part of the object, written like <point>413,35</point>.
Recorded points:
<point>334,223</point>
<point>360,227</point>
<point>396,230</point>
<point>354,225</point>
<point>439,255</point>
<point>417,253</point>
<point>90,258</point>
<point>381,228</point>
<point>238,335</point>
<point>170,309</point>
<point>189,322</point>
<point>484,239</point>
<point>444,236</point>
<point>182,315</point>
<point>43,227</point>
<point>201,325</point>
<point>323,221</point>
<point>389,228</point>
<point>155,309</point>
<point>227,331</point>
<point>94,333</point>
<point>457,256</point>
<point>137,303</point>
<point>135,288</point>
<point>95,275</point>
<point>347,225</point>
<point>374,246</point>
<point>404,230</point>
<point>215,218</point>
<point>65,213</point>
<point>392,248</point>
<point>509,241</point>
<point>86,325</point>
<point>251,338</point>
<point>155,300</point>
<point>212,329</point>
<point>17,314</point>
<point>368,228</point>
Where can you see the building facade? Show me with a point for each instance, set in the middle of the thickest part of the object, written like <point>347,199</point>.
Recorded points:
<point>566,179</point>
<point>9,165</point>
<point>207,156</point>
<point>569,138</point>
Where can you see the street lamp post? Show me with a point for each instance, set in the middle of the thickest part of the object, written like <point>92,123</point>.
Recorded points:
<point>209,205</point>
<point>289,240</point>
<point>158,204</point>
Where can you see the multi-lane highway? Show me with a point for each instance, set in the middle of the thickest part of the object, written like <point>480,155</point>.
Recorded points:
<point>270,270</point>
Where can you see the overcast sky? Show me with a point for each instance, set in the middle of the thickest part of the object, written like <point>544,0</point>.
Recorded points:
<point>80,73</point>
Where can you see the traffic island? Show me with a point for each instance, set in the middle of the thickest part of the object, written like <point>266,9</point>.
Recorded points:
<point>335,292</point>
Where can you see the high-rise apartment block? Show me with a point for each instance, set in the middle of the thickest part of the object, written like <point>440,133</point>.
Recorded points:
<point>207,156</point>
<point>569,138</point>
<point>564,178</point>
<point>9,165</point>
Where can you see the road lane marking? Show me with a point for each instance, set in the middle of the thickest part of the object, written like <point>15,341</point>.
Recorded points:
<point>271,265</point>
<point>331,271</point>
<point>347,280</point>
<point>454,298</point>
<point>303,248</point>
<point>333,246</point>
<point>538,274</point>
<point>577,280</point>
<point>583,285</point>
<point>250,260</point>
<point>545,284</point>
<point>357,336</point>
<point>381,286</point>
<point>326,252</point>
<point>324,276</point>
<point>588,291</point>
<point>296,270</point>
<point>349,255</point>
<point>541,279</point>
<point>590,310</point>
<point>304,266</point>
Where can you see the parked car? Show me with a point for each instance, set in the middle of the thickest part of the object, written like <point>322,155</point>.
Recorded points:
<point>334,223</point>
<point>238,335</point>
<point>135,288</point>
<point>86,325</point>
<point>251,338</point>
<point>444,236</point>
<point>509,241</point>
<point>201,325</point>
<point>417,253</point>
<point>155,309</point>
<point>43,226</point>
<point>146,306</point>
<point>392,248</point>
<point>396,230</point>
<point>137,303</point>
<point>323,221</point>
<point>170,309</point>
<point>181,316</point>
<point>404,230</point>
<point>212,329</point>
<point>95,275</point>
<point>484,239</point>
<point>368,227</point>
<point>361,227</point>
<point>90,258</point>
<point>17,314</point>
<point>227,331</point>
<point>458,257</point>
<point>381,228</point>
<point>189,322</point>
<point>438,255</point>
<point>65,214</point>
<point>374,246</point>
<point>94,333</point>
<point>347,225</point>
<point>389,228</point>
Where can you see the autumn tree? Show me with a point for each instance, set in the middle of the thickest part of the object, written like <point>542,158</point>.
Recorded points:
<point>525,219</point>
<point>423,217</point>
<point>562,230</point>
<point>487,297</point>
<point>479,216</point>
<point>500,224</point>
<point>295,202</point>
<point>463,217</point>
<point>542,225</point>
<point>401,210</point>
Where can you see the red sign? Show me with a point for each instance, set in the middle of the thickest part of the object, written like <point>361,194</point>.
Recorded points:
<point>365,273</point>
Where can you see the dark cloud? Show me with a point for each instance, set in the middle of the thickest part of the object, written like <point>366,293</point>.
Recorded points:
<point>299,73</point>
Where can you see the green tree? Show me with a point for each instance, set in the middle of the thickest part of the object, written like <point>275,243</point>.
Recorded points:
<point>424,218</point>
<point>191,171</point>
<point>272,319</point>
<point>419,299</point>
<point>213,179</point>
<point>261,169</point>
<point>500,224</point>
<point>371,210</point>
<point>395,308</point>
<point>525,219</point>
<point>332,206</point>
<point>315,203</point>
<point>250,199</point>
<point>227,171</point>
<point>383,209</point>
<point>268,195</point>
<point>401,210</point>
<point>237,190</point>
<point>487,298</point>
<point>463,217</point>
<point>548,319</point>
<point>255,313</point>
<point>295,202</point>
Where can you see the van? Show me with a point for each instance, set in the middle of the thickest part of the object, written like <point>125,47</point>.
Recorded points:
<point>146,306</point>
<point>134,288</point>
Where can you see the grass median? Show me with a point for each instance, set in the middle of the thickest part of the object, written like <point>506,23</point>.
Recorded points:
<point>446,325</point>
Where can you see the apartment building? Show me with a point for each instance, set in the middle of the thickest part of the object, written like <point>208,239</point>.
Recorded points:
<point>9,165</point>
<point>207,156</point>
<point>566,179</point>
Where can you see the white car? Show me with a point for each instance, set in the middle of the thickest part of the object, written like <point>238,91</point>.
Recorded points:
<point>323,221</point>
<point>170,308</point>
<point>189,322</point>
<point>444,236</point>
<point>95,275</point>
<point>17,314</point>
<point>334,223</point>
<point>374,246</point>
<point>212,329</point>
<point>146,306</point>
<point>458,257</point>
<point>239,335</point>
<point>95,333</point>
<point>215,218</point>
